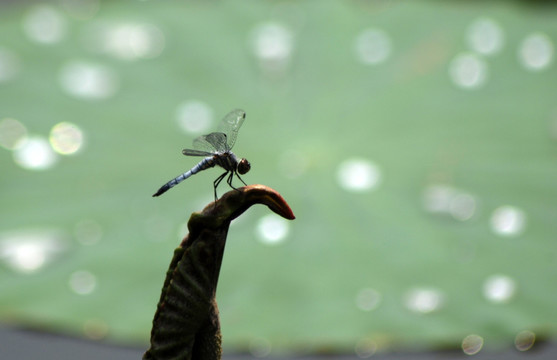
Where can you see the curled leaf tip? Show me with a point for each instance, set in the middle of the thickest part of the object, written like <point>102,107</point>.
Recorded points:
<point>235,202</point>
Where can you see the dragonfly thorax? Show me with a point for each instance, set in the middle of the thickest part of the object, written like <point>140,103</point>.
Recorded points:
<point>228,161</point>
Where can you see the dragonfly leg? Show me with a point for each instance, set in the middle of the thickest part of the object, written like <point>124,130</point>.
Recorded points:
<point>229,181</point>
<point>241,179</point>
<point>217,182</point>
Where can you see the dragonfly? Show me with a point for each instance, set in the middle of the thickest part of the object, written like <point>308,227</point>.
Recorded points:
<point>216,148</point>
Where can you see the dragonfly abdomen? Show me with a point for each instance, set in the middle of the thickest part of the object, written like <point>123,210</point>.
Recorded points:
<point>202,165</point>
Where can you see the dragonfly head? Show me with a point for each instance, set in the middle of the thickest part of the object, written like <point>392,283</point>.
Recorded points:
<point>243,166</point>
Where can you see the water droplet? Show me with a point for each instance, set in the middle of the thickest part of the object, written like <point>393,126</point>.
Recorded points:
<point>358,175</point>
<point>194,117</point>
<point>508,221</point>
<point>272,229</point>
<point>365,348</point>
<point>88,232</point>
<point>536,52</point>
<point>27,251</point>
<point>44,24</point>
<point>424,300</point>
<point>88,81</point>
<point>485,36</point>
<point>372,46</point>
<point>293,164</point>
<point>9,65</point>
<point>13,134</point>
<point>524,340</point>
<point>272,43</point>
<point>368,299</point>
<point>126,41</point>
<point>468,71</point>
<point>499,288</point>
<point>66,138</point>
<point>35,154</point>
<point>472,344</point>
<point>82,282</point>
<point>260,347</point>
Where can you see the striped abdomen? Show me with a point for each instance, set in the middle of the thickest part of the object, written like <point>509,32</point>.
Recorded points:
<point>206,163</point>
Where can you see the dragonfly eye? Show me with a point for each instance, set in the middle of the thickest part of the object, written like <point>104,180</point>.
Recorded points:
<point>243,166</point>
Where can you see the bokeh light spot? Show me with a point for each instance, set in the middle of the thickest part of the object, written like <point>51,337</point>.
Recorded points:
<point>508,221</point>
<point>536,52</point>
<point>126,41</point>
<point>424,300</point>
<point>272,229</point>
<point>260,347</point>
<point>13,134</point>
<point>88,81</point>
<point>468,71</point>
<point>437,198</point>
<point>44,24</point>
<point>88,232</point>
<point>499,288</point>
<point>472,344</point>
<point>358,175</point>
<point>272,43</point>
<point>463,207</point>
<point>368,299</point>
<point>194,117</point>
<point>365,348</point>
<point>9,65</point>
<point>27,251</point>
<point>35,154</point>
<point>444,199</point>
<point>66,138</point>
<point>524,340</point>
<point>485,36</point>
<point>372,46</point>
<point>82,282</point>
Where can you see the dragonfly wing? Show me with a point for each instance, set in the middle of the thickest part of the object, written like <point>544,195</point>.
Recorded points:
<point>191,152</point>
<point>213,142</point>
<point>230,126</point>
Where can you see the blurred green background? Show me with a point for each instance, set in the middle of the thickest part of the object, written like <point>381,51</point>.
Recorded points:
<point>416,142</point>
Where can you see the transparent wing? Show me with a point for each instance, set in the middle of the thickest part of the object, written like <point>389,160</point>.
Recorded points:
<point>191,152</point>
<point>211,143</point>
<point>230,126</point>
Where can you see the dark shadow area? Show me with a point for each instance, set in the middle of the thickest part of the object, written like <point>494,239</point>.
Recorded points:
<point>24,344</point>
